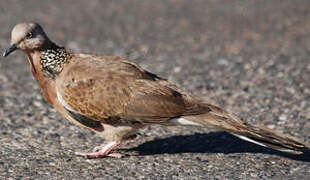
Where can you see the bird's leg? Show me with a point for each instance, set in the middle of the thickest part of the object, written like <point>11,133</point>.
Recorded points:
<point>103,150</point>
<point>98,148</point>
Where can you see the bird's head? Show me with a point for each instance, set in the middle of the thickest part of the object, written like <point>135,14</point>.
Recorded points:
<point>27,37</point>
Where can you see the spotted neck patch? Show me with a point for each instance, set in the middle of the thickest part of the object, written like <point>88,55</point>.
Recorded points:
<point>53,60</point>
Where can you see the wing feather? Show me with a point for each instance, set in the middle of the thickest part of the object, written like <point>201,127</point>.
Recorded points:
<point>113,91</point>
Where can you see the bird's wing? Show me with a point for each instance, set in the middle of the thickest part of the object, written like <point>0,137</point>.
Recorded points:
<point>117,92</point>
<point>159,101</point>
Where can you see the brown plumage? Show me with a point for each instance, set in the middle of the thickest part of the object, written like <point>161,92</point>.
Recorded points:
<point>114,97</point>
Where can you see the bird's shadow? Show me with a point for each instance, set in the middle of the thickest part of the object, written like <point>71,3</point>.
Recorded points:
<point>214,142</point>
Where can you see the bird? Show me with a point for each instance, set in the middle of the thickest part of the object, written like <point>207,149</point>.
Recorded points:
<point>115,98</point>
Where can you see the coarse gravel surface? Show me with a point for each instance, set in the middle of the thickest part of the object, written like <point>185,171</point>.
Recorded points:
<point>249,57</point>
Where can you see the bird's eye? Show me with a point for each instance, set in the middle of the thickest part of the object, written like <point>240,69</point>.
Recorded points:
<point>29,35</point>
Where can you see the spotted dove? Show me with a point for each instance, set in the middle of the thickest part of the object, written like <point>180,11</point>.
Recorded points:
<point>114,97</point>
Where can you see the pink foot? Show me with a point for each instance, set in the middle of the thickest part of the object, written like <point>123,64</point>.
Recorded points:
<point>102,151</point>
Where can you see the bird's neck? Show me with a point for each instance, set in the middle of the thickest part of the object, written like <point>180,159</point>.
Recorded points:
<point>53,58</point>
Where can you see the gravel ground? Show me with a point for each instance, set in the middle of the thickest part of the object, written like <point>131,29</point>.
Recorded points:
<point>250,57</point>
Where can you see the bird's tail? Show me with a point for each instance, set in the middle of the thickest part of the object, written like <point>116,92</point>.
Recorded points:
<point>261,135</point>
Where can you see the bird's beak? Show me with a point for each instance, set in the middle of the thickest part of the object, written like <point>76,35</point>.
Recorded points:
<point>8,51</point>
